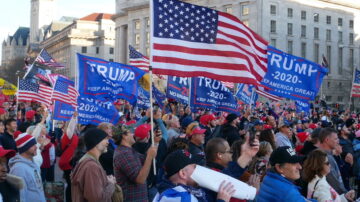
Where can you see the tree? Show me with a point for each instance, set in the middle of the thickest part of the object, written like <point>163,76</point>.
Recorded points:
<point>13,70</point>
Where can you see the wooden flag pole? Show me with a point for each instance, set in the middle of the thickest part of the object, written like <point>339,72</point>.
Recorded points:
<point>152,116</point>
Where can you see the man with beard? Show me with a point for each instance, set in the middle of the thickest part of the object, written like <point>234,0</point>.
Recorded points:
<point>23,165</point>
<point>230,131</point>
<point>88,179</point>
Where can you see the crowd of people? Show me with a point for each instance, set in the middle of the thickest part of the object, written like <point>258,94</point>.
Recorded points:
<point>286,156</point>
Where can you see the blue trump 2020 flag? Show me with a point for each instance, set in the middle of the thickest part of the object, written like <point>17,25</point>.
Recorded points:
<point>93,111</point>
<point>63,111</point>
<point>143,98</point>
<point>106,80</point>
<point>212,94</point>
<point>246,93</point>
<point>292,77</point>
<point>302,107</point>
<point>178,89</point>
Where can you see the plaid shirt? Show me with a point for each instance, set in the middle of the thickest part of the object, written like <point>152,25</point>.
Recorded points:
<point>127,165</point>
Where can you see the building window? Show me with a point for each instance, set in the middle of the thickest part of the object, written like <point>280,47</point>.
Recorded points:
<point>328,19</point>
<point>111,50</point>
<point>228,9</point>
<point>340,36</point>
<point>303,49</point>
<point>137,39</point>
<point>290,29</point>
<point>111,60</point>
<point>272,9</point>
<point>316,52</point>
<point>316,17</point>
<point>328,35</point>
<point>340,22</point>
<point>246,22</point>
<point>147,20</point>
<point>340,98</point>
<point>273,26</point>
<point>303,31</point>
<point>340,60</point>
<point>245,10</point>
<point>137,24</point>
<point>84,49</point>
<point>97,50</point>
<point>351,59</point>
<point>273,42</point>
<point>351,39</point>
<point>351,24</point>
<point>290,13</point>
<point>290,47</point>
<point>328,57</point>
<point>328,84</point>
<point>316,33</point>
<point>147,37</point>
<point>328,97</point>
<point>303,15</point>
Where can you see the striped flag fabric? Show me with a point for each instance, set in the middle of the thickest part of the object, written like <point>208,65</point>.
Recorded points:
<point>45,59</point>
<point>261,91</point>
<point>64,91</point>
<point>138,60</point>
<point>355,90</point>
<point>29,91</point>
<point>228,84</point>
<point>324,62</point>
<point>190,40</point>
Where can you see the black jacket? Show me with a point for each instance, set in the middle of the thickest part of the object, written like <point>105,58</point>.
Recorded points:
<point>106,160</point>
<point>230,133</point>
<point>9,193</point>
<point>7,141</point>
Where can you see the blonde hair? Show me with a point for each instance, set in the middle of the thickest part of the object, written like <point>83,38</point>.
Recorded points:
<point>104,126</point>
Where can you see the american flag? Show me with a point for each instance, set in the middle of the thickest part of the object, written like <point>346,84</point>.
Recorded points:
<point>45,59</point>
<point>228,84</point>
<point>324,62</point>
<point>190,40</point>
<point>138,60</point>
<point>261,91</point>
<point>64,91</point>
<point>355,90</point>
<point>29,91</point>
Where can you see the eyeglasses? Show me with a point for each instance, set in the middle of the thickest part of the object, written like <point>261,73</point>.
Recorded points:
<point>327,163</point>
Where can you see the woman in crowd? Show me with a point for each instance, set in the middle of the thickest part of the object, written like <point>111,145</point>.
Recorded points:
<point>268,135</point>
<point>315,169</point>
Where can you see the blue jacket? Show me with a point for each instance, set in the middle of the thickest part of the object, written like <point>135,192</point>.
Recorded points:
<point>277,188</point>
<point>30,172</point>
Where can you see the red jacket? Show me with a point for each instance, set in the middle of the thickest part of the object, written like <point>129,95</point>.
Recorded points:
<point>68,146</point>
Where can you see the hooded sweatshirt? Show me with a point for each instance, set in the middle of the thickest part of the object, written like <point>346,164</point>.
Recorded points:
<point>30,172</point>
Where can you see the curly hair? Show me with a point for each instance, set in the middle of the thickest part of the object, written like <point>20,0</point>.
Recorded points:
<point>314,165</point>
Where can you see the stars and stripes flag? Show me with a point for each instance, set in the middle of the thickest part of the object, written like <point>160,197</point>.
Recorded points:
<point>355,90</point>
<point>138,60</point>
<point>261,91</point>
<point>45,59</point>
<point>228,84</point>
<point>29,91</point>
<point>64,91</point>
<point>324,62</point>
<point>190,40</point>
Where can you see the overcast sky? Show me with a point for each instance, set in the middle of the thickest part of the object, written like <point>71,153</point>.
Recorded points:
<point>16,13</point>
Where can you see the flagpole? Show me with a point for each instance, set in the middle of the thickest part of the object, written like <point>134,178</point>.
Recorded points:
<point>152,116</point>
<point>17,97</point>
<point>189,84</point>
<point>28,70</point>
<point>352,85</point>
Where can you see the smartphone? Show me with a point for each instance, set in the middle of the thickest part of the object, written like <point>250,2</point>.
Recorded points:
<point>251,138</point>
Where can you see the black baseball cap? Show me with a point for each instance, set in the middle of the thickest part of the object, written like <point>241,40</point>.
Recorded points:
<point>179,159</point>
<point>285,155</point>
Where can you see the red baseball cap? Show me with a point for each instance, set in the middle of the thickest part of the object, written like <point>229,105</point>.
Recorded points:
<point>30,114</point>
<point>312,126</point>
<point>267,126</point>
<point>302,136</point>
<point>6,153</point>
<point>142,131</point>
<point>198,130</point>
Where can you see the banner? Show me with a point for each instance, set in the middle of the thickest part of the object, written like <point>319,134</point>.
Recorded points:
<point>246,93</point>
<point>159,97</point>
<point>107,81</point>
<point>143,98</point>
<point>292,77</point>
<point>212,94</point>
<point>302,107</point>
<point>178,89</point>
<point>63,111</point>
<point>7,88</point>
<point>92,111</point>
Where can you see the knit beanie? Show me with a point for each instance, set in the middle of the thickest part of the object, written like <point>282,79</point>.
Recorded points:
<point>231,117</point>
<point>349,122</point>
<point>93,137</point>
<point>24,142</point>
